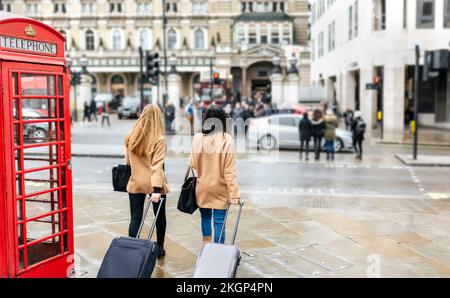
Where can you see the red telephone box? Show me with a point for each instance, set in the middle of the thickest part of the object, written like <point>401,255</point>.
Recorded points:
<point>36,230</point>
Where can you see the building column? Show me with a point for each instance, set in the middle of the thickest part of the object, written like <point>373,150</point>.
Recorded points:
<point>174,92</point>
<point>244,82</point>
<point>84,94</point>
<point>329,88</point>
<point>277,88</point>
<point>368,101</point>
<point>291,90</point>
<point>394,85</point>
<point>348,91</point>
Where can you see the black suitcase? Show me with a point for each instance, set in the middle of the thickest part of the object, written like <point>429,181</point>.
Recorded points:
<point>131,257</point>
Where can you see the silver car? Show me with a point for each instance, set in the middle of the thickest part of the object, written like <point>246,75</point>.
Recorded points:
<point>281,131</point>
<point>130,107</point>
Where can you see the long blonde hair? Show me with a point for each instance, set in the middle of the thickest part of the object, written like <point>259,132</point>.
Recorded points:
<point>146,131</point>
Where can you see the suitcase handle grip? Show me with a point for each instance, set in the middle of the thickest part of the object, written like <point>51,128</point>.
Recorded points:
<point>144,215</point>
<point>236,224</point>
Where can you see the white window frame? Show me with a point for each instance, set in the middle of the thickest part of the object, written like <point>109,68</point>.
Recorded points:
<point>205,39</point>
<point>121,36</point>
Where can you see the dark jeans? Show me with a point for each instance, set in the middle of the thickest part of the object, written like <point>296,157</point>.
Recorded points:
<point>137,202</point>
<point>304,142</point>
<point>357,144</point>
<point>317,146</point>
<point>105,118</point>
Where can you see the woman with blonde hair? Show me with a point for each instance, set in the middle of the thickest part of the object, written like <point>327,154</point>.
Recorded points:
<point>145,151</point>
<point>213,157</point>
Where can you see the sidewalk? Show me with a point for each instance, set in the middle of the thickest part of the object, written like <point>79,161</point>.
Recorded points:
<point>425,160</point>
<point>427,137</point>
<point>295,238</point>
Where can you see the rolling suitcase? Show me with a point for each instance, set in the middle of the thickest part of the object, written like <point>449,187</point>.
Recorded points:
<point>131,257</point>
<point>218,260</point>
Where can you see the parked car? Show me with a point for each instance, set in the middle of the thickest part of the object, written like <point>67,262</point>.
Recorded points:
<point>130,107</point>
<point>36,131</point>
<point>281,131</point>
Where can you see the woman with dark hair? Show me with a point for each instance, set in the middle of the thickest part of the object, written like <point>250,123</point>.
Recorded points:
<point>318,127</point>
<point>213,157</point>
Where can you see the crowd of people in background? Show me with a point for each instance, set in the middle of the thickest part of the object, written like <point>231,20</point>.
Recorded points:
<point>318,125</point>
<point>90,111</point>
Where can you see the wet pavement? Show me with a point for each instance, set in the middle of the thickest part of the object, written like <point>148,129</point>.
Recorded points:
<point>376,218</point>
<point>300,219</point>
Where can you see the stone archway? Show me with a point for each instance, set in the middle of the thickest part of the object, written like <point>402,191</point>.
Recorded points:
<point>258,77</point>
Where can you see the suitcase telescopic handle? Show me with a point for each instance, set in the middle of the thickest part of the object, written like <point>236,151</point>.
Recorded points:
<point>144,215</point>
<point>236,224</point>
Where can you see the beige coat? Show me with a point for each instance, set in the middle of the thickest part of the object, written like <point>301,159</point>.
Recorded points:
<point>213,157</point>
<point>147,171</point>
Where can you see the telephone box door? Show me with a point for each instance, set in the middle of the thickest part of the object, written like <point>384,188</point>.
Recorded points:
<point>38,181</point>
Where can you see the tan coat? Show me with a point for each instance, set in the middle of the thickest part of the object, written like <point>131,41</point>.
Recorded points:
<point>213,157</point>
<point>147,171</point>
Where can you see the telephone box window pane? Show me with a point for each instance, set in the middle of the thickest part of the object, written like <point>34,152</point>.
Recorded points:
<point>19,189</point>
<point>33,162</point>
<point>42,227</point>
<point>41,181</point>
<point>39,132</point>
<point>41,204</point>
<point>16,109</point>
<point>17,134</point>
<point>15,83</point>
<point>33,84</point>
<point>60,85</point>
<point>38,108</point>
<point>43,250</point>
<point>61,131</point>
<point>61,108</point>
<point>19,214</point>
<point>21,260</point>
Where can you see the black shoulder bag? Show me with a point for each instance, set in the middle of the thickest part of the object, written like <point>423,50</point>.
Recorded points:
<point>187,202</point>
<point>120,176</point>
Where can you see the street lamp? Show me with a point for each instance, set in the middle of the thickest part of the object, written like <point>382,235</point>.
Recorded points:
<point>173,63</point>
<point>293,64</point>
<point>84,62</point>
<point>277,64</point>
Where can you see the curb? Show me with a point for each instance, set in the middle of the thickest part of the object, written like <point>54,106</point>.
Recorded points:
<point>403,143</point>
<point>412,164</point>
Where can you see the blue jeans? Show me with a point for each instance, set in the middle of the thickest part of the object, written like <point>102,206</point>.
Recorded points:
<point>218,215</point>
<point>329,144</point>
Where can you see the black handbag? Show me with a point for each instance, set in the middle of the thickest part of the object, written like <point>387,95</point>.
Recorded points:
<point>120,176</point>
<point>187,201</point>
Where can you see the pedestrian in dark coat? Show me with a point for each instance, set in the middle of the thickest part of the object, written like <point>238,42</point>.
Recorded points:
<point>305,128</point>
<point>93,109</point>
<point>318,127</point>
<point>358,128</point>
<point>86,112</point>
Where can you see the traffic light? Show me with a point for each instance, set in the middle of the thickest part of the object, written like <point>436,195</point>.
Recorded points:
<point>216,78</point>
<point>152,63</point>
<point>75,79</point>
<point>378,82</point>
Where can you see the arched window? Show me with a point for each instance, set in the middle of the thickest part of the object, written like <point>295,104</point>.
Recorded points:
<point>116,39</point>
<point>144,39</point>
<point>89,40</point>
<point>117,79</point>
<point>199,36</point>
<point>172,39</point>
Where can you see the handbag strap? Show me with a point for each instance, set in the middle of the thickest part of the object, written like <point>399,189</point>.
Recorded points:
<point>189,169</point>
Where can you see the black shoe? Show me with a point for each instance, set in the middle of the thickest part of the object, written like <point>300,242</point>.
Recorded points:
<point>161,251</point>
